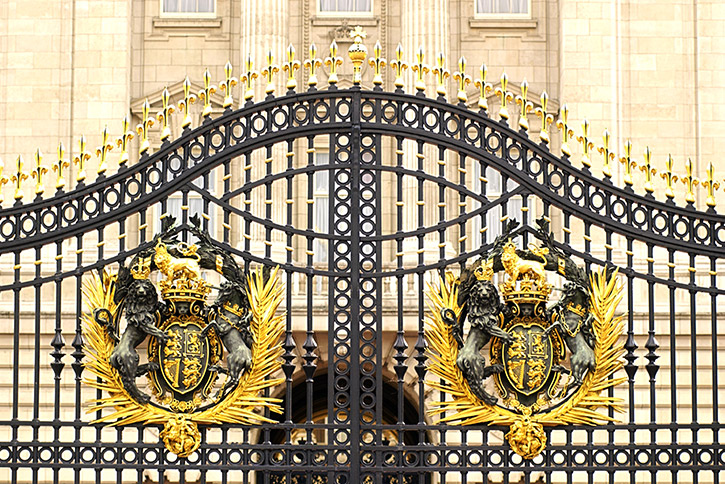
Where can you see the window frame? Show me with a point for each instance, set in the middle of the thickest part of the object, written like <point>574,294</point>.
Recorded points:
<point>188,15</point>
<point>500,16</point>
<point>344,13</point>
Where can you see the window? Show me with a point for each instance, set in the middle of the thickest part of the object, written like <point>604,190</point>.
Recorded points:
<point>320,208</point>
<point>514,8</point>
<point>335,6</point>
<point>188,7</point>
<point>195,205</point>
<point>493,216</point>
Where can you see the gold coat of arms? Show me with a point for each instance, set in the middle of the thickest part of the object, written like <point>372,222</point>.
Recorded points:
<point>206,362</point>
<point>547,363</point>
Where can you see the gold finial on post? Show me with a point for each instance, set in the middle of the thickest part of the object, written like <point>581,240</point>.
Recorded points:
<point>102,152</point>
<point>608,155</point>
<point>670,178</point>
<point>462,79</point>
<point>248,79</point>
<point>441,74</point>
<point>206,93</point>
<point>420,69</point>
<point>377,63</point>
<point>123,141</point>
<point>484,88</point>
<point>399,66</point>
<point>227,85</point>
<point>18,178</point>
<point>711,186</point>
<point>566,132</point>
<point>525,105</point>
<point>333,62</point>
<point>546,118</point>
<point>164,115</point>
<point>312,64</point>
<point>143,128</point>
<point>269,73</point>
<point>628,163</point>
<point>38,173</point>
<point>648,171</point>
<point>59,166</point>
<point>186,103</point>
<point>587,144</point>
<point>506,97</point>
<point>81,159</point>
<point>290,67</point>
<point>357,53</point>
<point>3,181</point>
<point>690,182</point>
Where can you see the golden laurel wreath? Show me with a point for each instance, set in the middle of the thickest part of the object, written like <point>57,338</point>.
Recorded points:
<point>526,435</point>
<point>181,434</point>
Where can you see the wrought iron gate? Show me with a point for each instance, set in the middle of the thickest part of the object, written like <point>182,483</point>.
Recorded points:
<point>402,188</point>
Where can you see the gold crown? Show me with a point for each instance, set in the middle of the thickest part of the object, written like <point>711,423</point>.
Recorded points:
<point>578,309</point>
<point>185,289</point>
<point>234,309</point>
<point>528,291</point>
<point>142,268</point>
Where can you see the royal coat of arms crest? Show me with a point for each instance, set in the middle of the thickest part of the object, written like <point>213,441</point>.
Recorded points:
<point>191,342</point>
<point>548,363</point>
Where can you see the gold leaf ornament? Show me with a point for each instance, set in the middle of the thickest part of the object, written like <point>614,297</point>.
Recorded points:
<point>180,432</point>
<point>526,434</point>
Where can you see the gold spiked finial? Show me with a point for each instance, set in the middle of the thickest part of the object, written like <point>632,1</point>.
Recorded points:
<point>546,118</point>
<point>484,88</point>
<point>711,186</point>
<point>312,64</point>
<point>164,115</point>
<point>566,131</point>
<point>269,73</point>
<point>690,182</point>
<point>628,163</point>
<point>3,181</point>
<point>206,93</point>
<point>290,67</point>
<point>377,63</point>
<point>227,85</point>
<point>587,144</point>
<point>102,152</point>
<point>248,79</point>
<point>648,171</point>
<point>462,79</point>
<point>186,103</point>
<point>143,128</point>
<point>420,69</point>
<point>669,177</point>
<point>333,62</point>
<point>38,173</point>
<point>18,177</point>
<point>441,74</point>
<point>123,141</point>
<point>399,66</point>
<point>526,106</point>
<point>608,155</point>
<point>83,156</point>
<point>357,53</point>
<point>506,97</point>
<point>58,168</point>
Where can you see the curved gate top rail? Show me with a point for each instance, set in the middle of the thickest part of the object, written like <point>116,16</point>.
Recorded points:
<point>30,223</point>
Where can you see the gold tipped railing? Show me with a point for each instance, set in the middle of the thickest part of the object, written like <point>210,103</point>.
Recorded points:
<point>358,55</point>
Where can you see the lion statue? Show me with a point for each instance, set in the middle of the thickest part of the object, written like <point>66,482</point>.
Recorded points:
<point>141,305</point>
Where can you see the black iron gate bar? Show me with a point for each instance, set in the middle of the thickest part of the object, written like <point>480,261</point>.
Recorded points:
<point>359,123</point>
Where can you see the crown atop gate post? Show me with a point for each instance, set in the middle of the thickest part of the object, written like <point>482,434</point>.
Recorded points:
<point>357,53</point>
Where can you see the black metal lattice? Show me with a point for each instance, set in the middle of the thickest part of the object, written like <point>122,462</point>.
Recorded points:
<point>402,173</point>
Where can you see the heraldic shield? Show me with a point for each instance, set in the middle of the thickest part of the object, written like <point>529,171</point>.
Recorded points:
<point>548,363</point>
<point>207,361</point>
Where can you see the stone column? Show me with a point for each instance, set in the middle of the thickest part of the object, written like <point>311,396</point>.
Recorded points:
<point>424,24</point>
<point>265,27</point>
